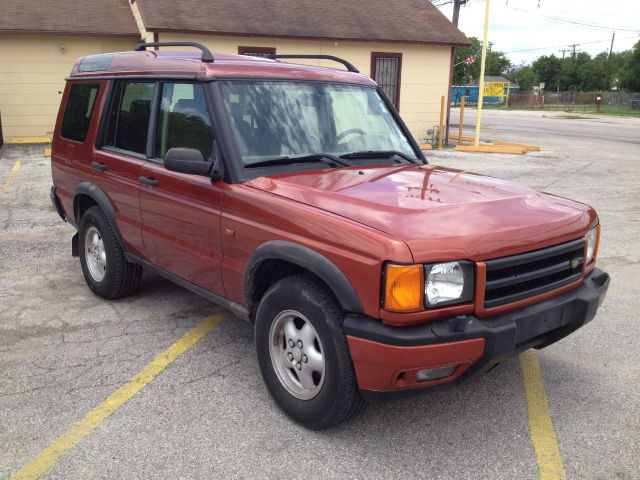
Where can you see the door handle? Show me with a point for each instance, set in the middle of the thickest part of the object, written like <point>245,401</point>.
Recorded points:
<point>148,181</point>
<point>98,166</point>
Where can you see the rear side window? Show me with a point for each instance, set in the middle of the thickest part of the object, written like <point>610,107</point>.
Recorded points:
<point>77,115</point>
<point>183,120</point>
<point>129,116</point>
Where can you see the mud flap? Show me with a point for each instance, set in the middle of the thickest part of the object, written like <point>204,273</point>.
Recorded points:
<point>74,245</point>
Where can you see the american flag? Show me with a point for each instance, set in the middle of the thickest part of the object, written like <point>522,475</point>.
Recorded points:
<point>470,60</point>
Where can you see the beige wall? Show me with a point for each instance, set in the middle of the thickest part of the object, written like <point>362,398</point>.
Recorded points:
<point>424,77</point>
<point>32,72</point>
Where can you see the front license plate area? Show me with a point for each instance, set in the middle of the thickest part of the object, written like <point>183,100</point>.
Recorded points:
<point>533,326</point>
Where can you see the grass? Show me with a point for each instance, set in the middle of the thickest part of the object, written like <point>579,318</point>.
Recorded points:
<point>585,109</point>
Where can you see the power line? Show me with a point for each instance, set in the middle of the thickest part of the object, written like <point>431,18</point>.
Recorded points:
<point>565,45</point>
<point>442,4</point>
<point>573,22</point>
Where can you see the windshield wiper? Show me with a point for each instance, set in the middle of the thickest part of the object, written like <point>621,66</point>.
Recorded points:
<point>380,154</point>
<point>315,157</point>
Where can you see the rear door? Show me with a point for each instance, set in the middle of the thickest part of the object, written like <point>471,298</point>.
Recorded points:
<point>180,212</point>
<point>118,162</point>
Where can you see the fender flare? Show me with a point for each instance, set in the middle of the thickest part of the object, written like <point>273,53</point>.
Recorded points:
<point>308,259</point>
<point>96,194</point>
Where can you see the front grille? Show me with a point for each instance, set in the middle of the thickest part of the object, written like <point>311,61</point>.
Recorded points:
<point>514,278</point>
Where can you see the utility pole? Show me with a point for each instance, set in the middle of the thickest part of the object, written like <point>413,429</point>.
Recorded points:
<point>574,68</point>
<point>482,66</point>
<point>456,10</point>
<point>606,71</point>
<point>564,50</point>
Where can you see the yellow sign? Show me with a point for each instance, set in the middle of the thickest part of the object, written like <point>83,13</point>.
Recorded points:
<point>494,89</point>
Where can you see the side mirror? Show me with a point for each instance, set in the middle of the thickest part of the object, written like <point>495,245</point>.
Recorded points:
<point>186,160</point>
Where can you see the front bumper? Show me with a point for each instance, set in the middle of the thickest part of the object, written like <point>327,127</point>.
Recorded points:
<point>387,358</point>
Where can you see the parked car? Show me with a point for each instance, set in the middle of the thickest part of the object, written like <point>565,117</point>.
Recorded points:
<point>634,103</point>
<point>296,197</point>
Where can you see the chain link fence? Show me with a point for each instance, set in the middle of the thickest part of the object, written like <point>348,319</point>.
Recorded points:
<point>581,102</point>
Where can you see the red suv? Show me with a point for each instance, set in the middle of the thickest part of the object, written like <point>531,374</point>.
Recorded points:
<point>296,197</point>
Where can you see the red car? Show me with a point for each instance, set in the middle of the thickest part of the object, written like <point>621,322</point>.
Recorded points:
<point>296,197</point>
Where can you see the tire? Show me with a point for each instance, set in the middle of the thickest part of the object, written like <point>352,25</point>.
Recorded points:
<point>104,266</point>
<point>316,394</point>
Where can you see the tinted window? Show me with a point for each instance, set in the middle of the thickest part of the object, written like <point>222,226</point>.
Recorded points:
<point>183,120</point>
<point>75,123</point>
<point>129,116</point>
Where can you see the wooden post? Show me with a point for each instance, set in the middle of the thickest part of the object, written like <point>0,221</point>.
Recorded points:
<point>461,127</point>
<point>441,122</point>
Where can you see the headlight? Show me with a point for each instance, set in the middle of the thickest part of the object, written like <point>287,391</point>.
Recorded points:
<point>592,240</point>
<point>447,283</point>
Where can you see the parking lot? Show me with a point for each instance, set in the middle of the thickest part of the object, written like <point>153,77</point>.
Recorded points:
<point>207,414</point>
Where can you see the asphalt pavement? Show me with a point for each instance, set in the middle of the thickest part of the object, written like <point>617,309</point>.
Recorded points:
<point>208,415</point>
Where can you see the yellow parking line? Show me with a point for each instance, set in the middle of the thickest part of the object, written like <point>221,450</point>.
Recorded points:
<point>95,417</point>
<point>543,436</point>
<point>14,171</point>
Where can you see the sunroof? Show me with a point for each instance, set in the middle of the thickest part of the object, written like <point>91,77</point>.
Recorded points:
<point>94,63</point>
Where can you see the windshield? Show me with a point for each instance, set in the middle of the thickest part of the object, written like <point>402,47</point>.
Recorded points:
<point>276,119</point>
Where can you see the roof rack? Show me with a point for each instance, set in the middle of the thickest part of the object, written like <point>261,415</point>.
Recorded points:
<point>350,67</point>
<point>206,53</point>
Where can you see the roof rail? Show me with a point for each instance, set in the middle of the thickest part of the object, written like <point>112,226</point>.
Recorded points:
<point>206,53</point>
<point>350,67</point>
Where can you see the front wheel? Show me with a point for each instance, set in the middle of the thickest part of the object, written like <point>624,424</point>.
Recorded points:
<point>303,353</point>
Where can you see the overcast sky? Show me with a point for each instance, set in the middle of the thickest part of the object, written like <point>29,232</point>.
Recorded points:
<point>511,28</point>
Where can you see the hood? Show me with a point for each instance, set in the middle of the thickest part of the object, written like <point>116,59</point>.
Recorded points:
<point>440,213</point>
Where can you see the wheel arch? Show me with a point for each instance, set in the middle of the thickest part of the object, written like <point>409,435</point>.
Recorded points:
<point>86,195</point>
<point>301,259</point>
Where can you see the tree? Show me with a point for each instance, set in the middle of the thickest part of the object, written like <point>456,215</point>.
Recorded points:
<point>524,75</point>
<point>617,68</point>
<point>580,78</point>
<point>592,72</point>
<point>630,74</point>
<point>463,72</point>
<point>497,63</point>
<point>548,69</point>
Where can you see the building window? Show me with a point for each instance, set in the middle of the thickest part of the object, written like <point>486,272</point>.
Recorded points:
<point>385,71</point>
<point>77,115</point>
<point>256,51</point>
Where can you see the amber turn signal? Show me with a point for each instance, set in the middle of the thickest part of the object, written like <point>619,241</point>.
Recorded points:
<point>404,288</point>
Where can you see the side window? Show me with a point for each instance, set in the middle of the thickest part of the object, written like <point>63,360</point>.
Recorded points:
<point>183,120</point>
<point>129,116</point>
<point>77,115</point>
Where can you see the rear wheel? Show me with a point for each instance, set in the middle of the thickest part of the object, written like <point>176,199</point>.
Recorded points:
<point>303,354</point>
<point>104,266</point>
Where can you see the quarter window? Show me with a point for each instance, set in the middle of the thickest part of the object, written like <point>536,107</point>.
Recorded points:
<point>184,121</point>
<point>129,116</point>
<point>77,115</point>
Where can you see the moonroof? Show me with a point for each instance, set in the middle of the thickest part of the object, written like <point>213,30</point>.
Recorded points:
<point>94,63</point>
